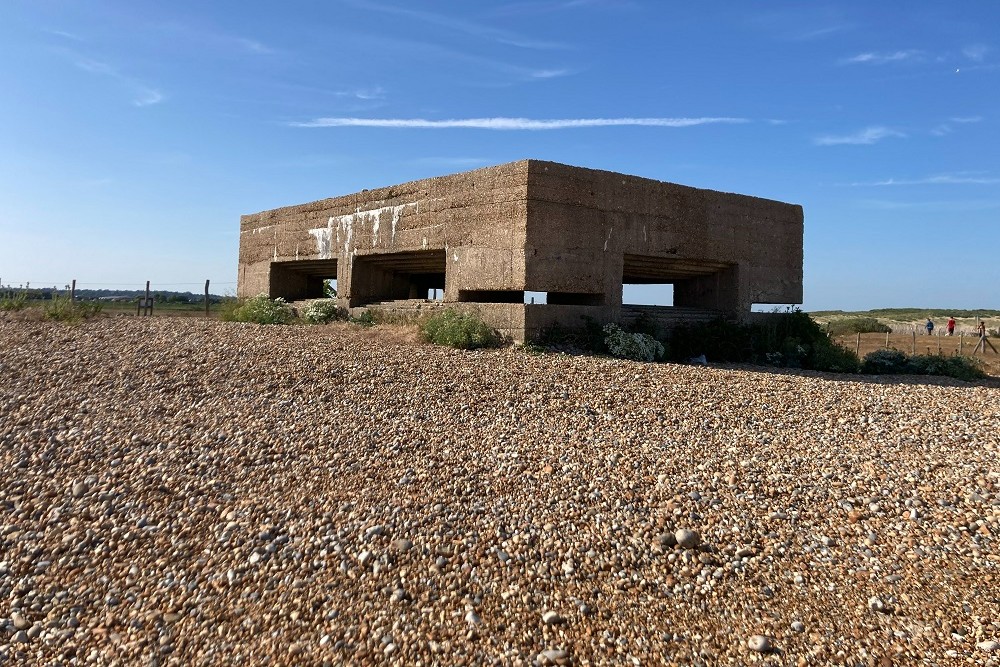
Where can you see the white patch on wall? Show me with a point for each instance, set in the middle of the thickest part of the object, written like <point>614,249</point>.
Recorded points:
<point>342,227</point>
<point>609,236</point>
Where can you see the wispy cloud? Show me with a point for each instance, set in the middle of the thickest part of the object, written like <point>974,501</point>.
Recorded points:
<point>869,135</point>
<point>224,42</point>
<point>819,33</point>
<point>470,28</point>
<point>513,123</point>
<point>540,7</point>
<point>882,58</point>
<point>946,128</point>
<point>64,34</point>
<point>944,205</point>
<point>976,52</point>
<point>367,94</point>
<point>549,73</point>
<point>147,97</point>
<point>142,94</point>
<point>961,178</point>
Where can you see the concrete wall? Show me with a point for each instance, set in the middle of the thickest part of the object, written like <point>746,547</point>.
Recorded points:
<point>477,217</point>
<point>582,222</point>
<point>531,225</point>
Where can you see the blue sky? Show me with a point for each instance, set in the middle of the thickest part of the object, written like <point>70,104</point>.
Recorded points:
<point>133,134</point>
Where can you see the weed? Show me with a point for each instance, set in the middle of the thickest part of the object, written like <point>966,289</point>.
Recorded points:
<point>857,325</point>
<point>259,309</point>
<point>462,330</point>
<point>635,346</point>
<point>322,312</point>
<point>365,319</point>
<point>14,301</point>
<point>63,309</point>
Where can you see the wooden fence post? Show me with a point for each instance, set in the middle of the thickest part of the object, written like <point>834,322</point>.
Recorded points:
<point>913,345</point>
<point>961,343</point>
<point>206,298</point>
<point>72,291</point>
<point>857,347</point>
<point>887,340</point>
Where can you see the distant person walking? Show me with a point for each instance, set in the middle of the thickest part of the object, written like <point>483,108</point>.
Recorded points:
<point>982,329</point>
<point>930,327</point>
<point>951,326</point>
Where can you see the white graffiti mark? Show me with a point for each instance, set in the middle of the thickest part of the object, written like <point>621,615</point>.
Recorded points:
<point>608,239</point>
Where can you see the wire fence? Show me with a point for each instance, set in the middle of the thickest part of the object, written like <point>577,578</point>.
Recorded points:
<point>144,295</point>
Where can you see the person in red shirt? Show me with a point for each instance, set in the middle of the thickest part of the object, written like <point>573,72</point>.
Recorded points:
<point>951,326</point>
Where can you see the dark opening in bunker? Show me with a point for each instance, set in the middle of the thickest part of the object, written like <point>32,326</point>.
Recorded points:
<point>564,298</point>
<point>491,296</point>
<point>396,276</point>
<point>649,281</point>
<point>304,279</point>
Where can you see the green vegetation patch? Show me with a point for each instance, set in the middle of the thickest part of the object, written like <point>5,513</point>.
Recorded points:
<point>464,331</point>
<point>851,325</point>
<point>64,309</point>
<point>322,312</point>
<point>259,309</point>
<point>14,301</point>
<point>894,362</point>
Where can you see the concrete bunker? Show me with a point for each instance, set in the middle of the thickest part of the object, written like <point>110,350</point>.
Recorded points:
<point>572,237</point>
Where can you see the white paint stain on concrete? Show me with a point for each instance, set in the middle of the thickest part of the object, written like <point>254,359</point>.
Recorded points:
<point>341,227</point>
<point>608,239</point>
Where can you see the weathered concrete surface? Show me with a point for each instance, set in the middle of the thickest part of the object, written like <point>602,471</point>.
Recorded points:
<point>487,236</point>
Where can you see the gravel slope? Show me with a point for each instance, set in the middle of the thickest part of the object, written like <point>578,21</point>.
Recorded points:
<point>189,492</point>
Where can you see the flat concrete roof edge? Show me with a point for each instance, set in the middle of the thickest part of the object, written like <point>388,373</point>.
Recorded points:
<point>530,165</point>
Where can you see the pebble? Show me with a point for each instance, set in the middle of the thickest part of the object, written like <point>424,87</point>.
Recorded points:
<point>289,443</point>
<point>553,656</point>
<point>687,539</point>
<point>760,644</point>
<point>552,618</point>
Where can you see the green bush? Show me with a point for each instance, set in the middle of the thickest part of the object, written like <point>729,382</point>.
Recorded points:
<point>365,319</point>
<point>14,301</point>
<point>63,309</point>
<point>834,359</point>
<point>857,325</point>
<point>462,330</point>
<point>259,309</point>
<point>789,339</point>
<point>635,346</point>
<point>958,367</point>
<point>894,362</point>
<point>321,312</point>
<point>882,362</point>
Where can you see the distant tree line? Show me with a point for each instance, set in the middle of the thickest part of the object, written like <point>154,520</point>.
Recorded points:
<point>159,296</point>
